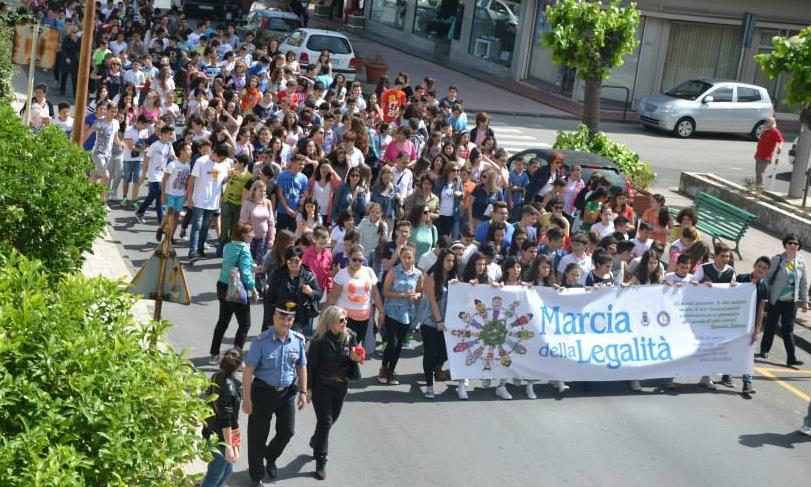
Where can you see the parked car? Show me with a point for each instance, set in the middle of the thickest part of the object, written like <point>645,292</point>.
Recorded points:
<point>590,163</point>
<point>267,23</point>
<point>307,44</point>
<point>213,9</point>
<point>708,105</point>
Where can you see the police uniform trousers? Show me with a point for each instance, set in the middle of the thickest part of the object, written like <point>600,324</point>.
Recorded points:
<point>268,401</point>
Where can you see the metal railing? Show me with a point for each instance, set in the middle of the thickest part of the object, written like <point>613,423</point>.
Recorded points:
<point>627,97</point>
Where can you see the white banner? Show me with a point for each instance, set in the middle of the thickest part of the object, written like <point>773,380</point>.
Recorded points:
<point>640,332</point>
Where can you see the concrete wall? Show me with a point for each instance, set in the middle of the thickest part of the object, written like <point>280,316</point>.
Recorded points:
<point>783,11</point>
<point>771,218</point>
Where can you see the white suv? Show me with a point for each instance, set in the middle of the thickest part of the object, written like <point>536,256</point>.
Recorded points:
<point>708,105</point>
<point>308,44</point>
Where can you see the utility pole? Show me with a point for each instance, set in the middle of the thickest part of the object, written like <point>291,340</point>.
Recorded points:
<point>83,79</point>
<point>31,72</point>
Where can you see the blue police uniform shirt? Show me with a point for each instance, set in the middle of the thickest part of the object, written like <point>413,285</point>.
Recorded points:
<point>275,361</point>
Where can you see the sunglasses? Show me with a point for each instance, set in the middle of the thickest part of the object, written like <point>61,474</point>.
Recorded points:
<point>342,320</point>
<point>356,260</point>
<point>793,243</point>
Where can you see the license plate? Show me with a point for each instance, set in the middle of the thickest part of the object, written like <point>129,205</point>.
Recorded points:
<point>206,7</point>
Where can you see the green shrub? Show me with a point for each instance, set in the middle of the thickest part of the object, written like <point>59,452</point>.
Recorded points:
<point>49,209</point>
<point>81,401</point>
<point>639,172</point>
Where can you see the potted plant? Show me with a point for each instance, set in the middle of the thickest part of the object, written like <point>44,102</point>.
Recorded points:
<point>375,68</point>
<point>641,180</point>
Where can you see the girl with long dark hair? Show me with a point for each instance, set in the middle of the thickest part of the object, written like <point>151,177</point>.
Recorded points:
<point>432,312</point>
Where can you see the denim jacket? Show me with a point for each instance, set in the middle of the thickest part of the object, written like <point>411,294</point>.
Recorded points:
<point>345,198</point>
<point>403,310</point>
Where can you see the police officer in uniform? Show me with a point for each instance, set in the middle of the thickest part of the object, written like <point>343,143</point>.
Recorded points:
<point>270,388</point>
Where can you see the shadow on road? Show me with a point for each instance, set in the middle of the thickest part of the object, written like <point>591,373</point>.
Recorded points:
<point>785,440</point>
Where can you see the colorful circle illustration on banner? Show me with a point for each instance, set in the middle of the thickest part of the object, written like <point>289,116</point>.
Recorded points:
<point>492,334</point>
<point>663,318</point>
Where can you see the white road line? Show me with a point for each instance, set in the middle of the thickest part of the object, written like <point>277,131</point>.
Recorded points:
<point>505,129</point>
<point>516,137</point>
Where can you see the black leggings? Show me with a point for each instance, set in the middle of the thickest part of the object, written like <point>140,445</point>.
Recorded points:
<point>395,336</point>
<point>784,312</point>
<point>434,352</point>
<point>359,327</point>
<point>328,399</point>
<point>227,310</point>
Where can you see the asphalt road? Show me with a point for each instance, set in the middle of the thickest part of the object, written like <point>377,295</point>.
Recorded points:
<point>729,156</point>
<point>609,436</point>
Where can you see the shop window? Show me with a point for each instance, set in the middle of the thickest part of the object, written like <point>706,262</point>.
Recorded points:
<point>389,12</point>
<point>435,19</point>
<point>495,25</point>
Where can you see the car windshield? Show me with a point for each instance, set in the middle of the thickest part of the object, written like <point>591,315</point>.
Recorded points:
<point>335,45</point>
<point>689,90</point>
<point>285,25</point>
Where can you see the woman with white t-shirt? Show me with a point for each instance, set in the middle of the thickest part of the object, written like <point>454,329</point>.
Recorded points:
<point>354,289</point>
<point>321,187</point>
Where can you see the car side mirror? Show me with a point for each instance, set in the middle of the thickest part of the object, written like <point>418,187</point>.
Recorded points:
<point>708,99</point>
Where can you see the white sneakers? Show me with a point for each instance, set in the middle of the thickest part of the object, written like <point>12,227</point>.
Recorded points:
<point>461,390</point>
<point>429,392</point>
<point>560,385</point>
<point>502,392</point>
<point>531,392</point>
<point>708,383</point>
<point>805,430</point>
<point>635,386</point>
<point>214,360</point>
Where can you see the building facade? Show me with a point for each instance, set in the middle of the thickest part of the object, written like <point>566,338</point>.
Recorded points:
<point>678,40</point>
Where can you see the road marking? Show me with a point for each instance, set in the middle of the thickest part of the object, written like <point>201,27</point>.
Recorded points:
<point>517,137</point>
<point>785,385</point>
<point>787,370</point>
<point>498,129</point>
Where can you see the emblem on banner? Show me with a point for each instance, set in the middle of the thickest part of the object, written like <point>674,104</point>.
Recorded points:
<point>492,334</point>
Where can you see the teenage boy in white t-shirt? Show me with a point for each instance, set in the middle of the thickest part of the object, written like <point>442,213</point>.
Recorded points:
<point>205,185</point>
<point>155,161</point>
<point>173,185</point>
<point>642,241</point>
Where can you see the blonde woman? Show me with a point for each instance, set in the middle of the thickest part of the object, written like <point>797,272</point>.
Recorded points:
<point>257,210</point>
<point>331,363</point>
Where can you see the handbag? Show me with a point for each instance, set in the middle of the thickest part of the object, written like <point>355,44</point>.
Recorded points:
<point>236,292</point>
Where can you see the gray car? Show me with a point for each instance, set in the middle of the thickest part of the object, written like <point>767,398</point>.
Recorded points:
<point>708,105</point>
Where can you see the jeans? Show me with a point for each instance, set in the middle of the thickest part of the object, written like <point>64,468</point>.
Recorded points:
<point>229,215</point>
<point>328,399</point>
<point>218,470</point>
<point>285,222</point>
<point>784,311</point>
<point>201,220</point>
<point>154,195</point>
<point>447,225</point>
<point>434,352</point>
<point>227,310</point>
<point>395,333</point>
<point>116,169</point>
<point>267,403</point>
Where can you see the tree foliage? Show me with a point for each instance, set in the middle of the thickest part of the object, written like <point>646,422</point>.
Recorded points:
<point>792,56</point>
<point>638,171</point>
<point>81,401</point>
<point>590,38</point>
<point>51,210</point>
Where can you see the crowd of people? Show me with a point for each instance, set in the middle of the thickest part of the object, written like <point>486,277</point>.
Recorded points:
<point>350,209</point>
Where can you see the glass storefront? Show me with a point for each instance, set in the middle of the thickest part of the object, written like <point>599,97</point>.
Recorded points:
<point>495,25</point>
<point>389,12</point>
<point>436,19</point>
<point>717,57</point>
<point>622,80</point>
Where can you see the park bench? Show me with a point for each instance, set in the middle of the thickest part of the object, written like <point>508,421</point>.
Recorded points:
<point>720,219</point>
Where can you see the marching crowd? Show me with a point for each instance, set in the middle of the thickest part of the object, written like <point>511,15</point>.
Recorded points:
<point>348,209</point>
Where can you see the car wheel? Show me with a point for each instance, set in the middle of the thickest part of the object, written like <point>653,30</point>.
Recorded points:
<point>684,128</point>
<point>758,130</point>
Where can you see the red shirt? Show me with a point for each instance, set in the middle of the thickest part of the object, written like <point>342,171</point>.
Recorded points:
<point>392,101</point>
<point>768,141</point>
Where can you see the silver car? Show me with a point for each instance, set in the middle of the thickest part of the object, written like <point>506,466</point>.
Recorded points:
<point>708,105</point>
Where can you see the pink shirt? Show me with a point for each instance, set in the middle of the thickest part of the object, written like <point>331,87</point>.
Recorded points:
<point>392,150</point>
<point>262,217</point>
<point>321,266</point>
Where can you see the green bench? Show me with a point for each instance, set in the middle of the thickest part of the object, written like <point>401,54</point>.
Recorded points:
<point>719,219</point>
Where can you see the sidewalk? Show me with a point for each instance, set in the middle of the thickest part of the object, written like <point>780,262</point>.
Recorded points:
<point>756,243</point>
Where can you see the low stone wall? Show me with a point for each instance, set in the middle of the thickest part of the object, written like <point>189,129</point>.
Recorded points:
<point>772,218</point>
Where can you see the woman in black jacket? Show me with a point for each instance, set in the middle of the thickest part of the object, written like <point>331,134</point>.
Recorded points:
<point>331,363</point>
<point>293,282</point>
<point>542,180</point>
<point>225,422</point>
